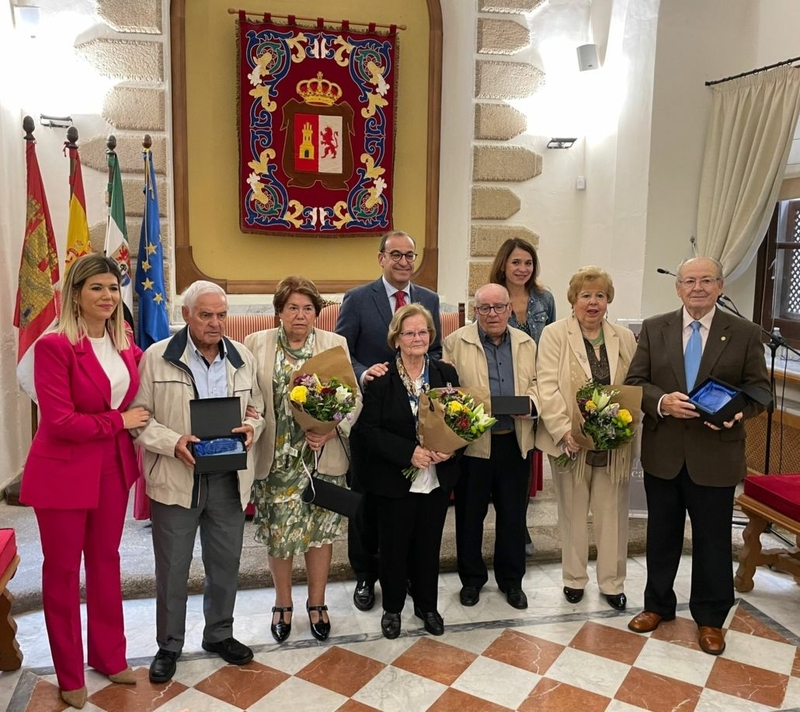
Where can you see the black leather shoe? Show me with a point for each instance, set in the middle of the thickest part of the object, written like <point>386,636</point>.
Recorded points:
<point>618,601</point>
<point>281,630</point>
<point>230,650</point>
<point>516,598</point>
<point>163,666</point>
<point>573,595</point>
<point>432,621</point>
<point>364,596</point>
<point>320,630</point>
<point>470,595</point>
<point>390,625</point>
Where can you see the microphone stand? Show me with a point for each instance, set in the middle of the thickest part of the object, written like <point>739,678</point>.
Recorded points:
<point>775,341</point>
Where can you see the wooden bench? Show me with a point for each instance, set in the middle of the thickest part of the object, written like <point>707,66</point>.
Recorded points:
<point>238,326</point>
<point>10,654</point>
<point>768,499</point>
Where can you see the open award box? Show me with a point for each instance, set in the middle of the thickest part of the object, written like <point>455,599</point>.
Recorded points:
<point>219,450</point>
<point>718,402</point>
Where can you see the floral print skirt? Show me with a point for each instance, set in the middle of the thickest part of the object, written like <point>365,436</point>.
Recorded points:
<point>287,525</point>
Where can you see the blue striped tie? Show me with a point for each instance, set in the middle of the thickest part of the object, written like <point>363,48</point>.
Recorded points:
<point>692,355</point>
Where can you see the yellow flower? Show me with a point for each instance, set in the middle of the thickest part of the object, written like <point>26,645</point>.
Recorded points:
<point>625,416</point>
<point>299,394</point>
<point>454,408</point>
<point>590,406</point>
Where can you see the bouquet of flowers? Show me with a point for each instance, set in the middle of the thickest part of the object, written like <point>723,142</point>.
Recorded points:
<point>609,417</point>
<point>450,418</point>
<point>323,392</point>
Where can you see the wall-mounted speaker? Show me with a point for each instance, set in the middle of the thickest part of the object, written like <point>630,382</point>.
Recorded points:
<point>587,57</point>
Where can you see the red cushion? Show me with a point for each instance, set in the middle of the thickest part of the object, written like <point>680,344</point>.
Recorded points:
<point>8,548</point>
<point>780,492</point>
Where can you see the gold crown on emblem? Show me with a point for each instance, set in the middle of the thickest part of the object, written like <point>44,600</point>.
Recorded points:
<point>319,91</point>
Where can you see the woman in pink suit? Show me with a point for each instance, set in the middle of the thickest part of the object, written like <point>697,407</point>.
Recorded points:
<point>79,470</point>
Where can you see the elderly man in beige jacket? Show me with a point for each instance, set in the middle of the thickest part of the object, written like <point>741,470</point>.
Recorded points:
<point>197,362</point>
<point>496,466</point>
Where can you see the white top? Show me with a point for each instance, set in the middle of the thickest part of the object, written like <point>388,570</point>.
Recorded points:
<point>705,326</point>
<point>426,481</point>
<point>114,366</point>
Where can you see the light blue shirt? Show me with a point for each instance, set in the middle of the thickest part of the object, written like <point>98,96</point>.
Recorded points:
<point>392,291</point>
<point>211,379</point>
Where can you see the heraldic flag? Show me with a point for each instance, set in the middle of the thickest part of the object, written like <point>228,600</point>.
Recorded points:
<point>78,243</point>
<point>116,246</point>
<point>153,321</point>
<point>38,291</point>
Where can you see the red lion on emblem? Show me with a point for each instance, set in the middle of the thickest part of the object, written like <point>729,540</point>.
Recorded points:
<point>330,142</point>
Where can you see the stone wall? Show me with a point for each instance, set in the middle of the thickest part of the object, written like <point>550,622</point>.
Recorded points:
<point>133,51</point>
<point>499,164</point>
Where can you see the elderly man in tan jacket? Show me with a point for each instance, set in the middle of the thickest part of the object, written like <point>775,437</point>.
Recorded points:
<point>496,466</point>
<point>197,362</point>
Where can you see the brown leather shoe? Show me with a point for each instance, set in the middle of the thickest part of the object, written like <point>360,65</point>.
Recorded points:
<point>645,622</point>
<point>75,698</point>
<point>712,640</point>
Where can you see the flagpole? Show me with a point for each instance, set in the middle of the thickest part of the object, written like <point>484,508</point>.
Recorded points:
<point>111,145</point>
<point>28,126</point>
<point>72,142</point>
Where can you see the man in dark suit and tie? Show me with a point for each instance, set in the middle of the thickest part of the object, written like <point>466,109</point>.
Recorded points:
<point>690,465</point>
<point>364,321</point>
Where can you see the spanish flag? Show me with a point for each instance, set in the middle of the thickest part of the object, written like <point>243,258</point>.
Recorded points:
<point>78,227</point>
<point>38,290</point>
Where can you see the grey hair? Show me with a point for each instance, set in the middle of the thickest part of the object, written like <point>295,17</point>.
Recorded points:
<point>198,289</point>
<point>485,286</point>
<point>713,260</point>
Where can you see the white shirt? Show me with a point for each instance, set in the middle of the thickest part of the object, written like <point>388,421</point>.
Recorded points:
<point>391,294</point>
<point>705,326</point>
<point>114,366</point>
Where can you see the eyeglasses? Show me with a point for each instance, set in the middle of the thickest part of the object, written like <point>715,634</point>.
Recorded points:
<point>486,308</point>
<point>705,282</point>
<point>415,334</point>
<point>396,255</point>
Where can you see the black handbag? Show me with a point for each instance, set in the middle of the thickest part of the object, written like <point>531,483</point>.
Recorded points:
<point>330,496</point>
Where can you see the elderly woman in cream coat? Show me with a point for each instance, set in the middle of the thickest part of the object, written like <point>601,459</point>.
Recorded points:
<point>287,525</point>
<point>572,351</point>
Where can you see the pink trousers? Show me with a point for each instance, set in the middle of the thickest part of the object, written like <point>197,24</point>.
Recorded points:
<point>67,534</point>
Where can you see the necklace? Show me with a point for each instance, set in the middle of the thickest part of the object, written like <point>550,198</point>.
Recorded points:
<point>598,341</point>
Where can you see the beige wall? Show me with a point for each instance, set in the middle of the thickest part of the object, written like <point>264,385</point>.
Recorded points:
<point>220,249</point>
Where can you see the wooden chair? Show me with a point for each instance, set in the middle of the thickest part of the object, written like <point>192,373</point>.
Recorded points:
<point>768,499</point>
<point>10,654</point>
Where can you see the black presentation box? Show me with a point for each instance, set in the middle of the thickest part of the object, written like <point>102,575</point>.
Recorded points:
<point>213,419</point>
<point>717,401</point>
<point>511,405</point>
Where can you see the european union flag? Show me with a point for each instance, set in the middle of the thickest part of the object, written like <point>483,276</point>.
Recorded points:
<point>153,320</point>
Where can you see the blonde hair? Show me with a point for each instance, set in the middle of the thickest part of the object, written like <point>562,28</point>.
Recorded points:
<point>590,273</point>
<point>70,321</point>
<point>401,315</point>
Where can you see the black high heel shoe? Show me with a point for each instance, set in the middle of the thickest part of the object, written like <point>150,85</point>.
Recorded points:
<point>281,629</point>
<point>320,630</point>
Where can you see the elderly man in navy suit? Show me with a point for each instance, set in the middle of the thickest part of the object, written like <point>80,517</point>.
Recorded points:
<point>364,321</point>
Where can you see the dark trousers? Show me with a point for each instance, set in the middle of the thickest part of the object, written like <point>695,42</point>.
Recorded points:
<point>503,479</point>
<point>220,518</point>
<point>362,539</point>
<point>410,535</point>
<point>710,512</point>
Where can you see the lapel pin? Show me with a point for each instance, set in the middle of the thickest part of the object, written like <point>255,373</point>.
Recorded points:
<point>722,338</point>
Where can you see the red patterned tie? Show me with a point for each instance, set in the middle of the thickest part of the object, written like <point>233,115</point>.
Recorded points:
<point>399,300</point>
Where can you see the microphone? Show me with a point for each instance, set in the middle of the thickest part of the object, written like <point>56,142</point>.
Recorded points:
<point>661,270</point>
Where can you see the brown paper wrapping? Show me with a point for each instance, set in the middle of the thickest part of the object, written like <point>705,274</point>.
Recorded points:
<point>326,365</point>
<point>629,398</point>
<point>434,432</point>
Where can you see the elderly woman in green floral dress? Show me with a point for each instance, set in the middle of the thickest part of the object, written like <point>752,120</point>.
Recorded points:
<point>286,524</point>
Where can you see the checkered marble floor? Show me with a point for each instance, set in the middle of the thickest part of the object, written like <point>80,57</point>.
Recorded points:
<point>553,656</point>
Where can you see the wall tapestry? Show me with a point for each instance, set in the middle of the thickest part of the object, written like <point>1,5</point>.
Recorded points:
<point>316,128</point>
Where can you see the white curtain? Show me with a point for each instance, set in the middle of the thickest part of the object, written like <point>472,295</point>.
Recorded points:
<point>749,136</point>
<point>14,405</point>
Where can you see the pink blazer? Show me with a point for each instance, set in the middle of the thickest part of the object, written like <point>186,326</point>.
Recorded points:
<point>78,429</point>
